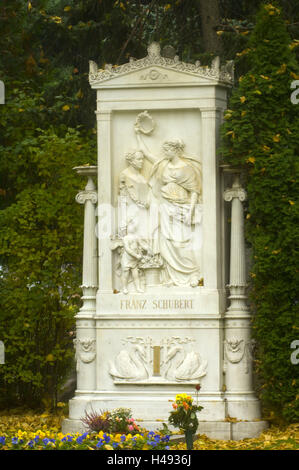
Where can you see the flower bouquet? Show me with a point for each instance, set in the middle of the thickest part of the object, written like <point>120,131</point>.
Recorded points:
<point>184,416</point>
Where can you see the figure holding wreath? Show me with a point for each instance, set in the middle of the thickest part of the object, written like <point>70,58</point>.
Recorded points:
<point>175,183</point>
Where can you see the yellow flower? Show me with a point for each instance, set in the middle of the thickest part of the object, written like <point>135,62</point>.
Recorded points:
<point>265,78</point>
<point>243,113</point>
<point>258,92</point>
<point>65,107</point>
<point>243,99</point>
<point>67,8</point>
<point>291,202</point>
<point>250,160</point>
<point>276,138</point>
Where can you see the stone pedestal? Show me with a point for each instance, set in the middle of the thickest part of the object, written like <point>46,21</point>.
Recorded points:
<point>159,321</point>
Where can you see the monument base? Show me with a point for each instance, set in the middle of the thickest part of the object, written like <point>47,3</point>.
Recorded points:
<point>222,430</point>
<point>216,420</point>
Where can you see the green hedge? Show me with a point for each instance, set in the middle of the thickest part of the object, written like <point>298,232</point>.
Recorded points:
<point>41,256</point>
<point>260,135</point>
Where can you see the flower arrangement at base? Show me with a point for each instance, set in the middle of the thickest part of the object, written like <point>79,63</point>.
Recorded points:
<point>116,421</point>
<point>184,416</point>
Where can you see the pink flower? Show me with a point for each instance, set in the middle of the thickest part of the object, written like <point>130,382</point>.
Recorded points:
<point>131,427</point>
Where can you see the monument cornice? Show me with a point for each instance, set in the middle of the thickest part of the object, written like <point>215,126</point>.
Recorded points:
<point>215,73</point>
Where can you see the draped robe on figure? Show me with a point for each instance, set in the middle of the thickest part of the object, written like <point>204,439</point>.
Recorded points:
<point>172,188</point>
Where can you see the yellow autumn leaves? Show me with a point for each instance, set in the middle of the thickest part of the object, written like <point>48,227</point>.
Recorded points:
<point>27,426</point>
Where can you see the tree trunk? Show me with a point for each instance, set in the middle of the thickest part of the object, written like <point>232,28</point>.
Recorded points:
<point>210,19</point>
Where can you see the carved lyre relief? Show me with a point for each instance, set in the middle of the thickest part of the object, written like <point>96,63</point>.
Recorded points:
<point>172,360</point>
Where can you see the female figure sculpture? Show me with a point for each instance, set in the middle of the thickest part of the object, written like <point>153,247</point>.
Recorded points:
<point>175,182</point>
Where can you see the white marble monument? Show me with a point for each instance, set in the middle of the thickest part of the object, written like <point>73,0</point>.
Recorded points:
<point>164,279</point>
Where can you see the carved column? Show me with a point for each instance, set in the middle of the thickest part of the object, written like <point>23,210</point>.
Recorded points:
<point>237,285</point>
<point>85,325</point>
<point>238,343</point>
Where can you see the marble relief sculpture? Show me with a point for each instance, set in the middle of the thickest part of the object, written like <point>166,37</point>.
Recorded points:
<point>178,361</point>
<point>173,193</point>
<point>131,255</point>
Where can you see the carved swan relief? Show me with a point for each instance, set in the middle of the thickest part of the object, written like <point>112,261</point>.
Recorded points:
<point>177,363</point>
<point>130,365</point>
<point>186,366</point>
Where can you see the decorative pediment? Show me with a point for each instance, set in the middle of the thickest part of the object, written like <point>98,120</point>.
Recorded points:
<point>155,69</point>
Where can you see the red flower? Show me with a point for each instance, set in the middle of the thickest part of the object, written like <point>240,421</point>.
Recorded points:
<point>197,387</point>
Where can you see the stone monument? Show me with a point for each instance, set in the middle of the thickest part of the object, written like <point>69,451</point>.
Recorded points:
<point>164,279</point>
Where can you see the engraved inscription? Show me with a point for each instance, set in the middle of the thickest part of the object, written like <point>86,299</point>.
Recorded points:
<point>155,304</point>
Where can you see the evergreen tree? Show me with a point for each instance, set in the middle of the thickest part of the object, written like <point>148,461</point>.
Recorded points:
<point>260,135</point>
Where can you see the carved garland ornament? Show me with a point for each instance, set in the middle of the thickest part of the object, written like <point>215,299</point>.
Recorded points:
<point>235,350</point>
<point>85,349</point>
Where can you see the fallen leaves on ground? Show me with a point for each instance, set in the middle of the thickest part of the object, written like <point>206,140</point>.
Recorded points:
<point>30,421</point>
<point>274,438</point>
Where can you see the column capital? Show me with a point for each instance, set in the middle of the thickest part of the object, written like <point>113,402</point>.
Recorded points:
<point>87,195</point>
<point>235,192</point>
